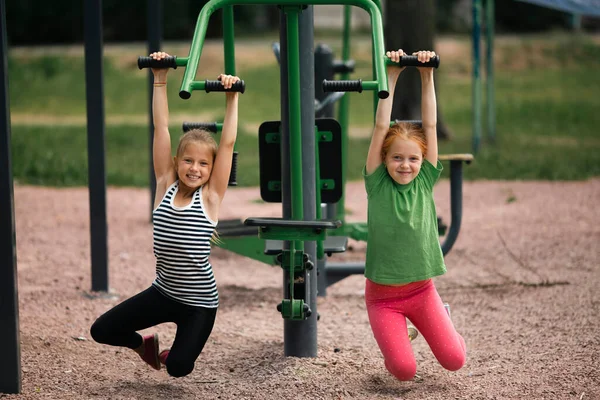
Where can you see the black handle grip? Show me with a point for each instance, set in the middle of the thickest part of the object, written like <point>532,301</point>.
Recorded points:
<point>342,86</point>
<point>413,61</point>
<point>149,62</point>
<point>233,174</point>
<point>207,126</point>
<point>217,86</point>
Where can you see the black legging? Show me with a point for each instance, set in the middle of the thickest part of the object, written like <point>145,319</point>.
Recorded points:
<point>119,326</point>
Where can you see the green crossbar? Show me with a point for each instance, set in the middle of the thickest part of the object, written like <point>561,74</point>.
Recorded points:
<point>372,7</point>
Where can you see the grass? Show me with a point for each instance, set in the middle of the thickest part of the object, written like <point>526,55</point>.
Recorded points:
<point>546,111</point>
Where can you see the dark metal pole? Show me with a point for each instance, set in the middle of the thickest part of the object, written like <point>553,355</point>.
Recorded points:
<point>96,143</point>
<point>300,337</point>
<point>323,61</point>
<point>10,366</point>
<point>455,205</point>
<point>155,29</point>
<point>302,340</point>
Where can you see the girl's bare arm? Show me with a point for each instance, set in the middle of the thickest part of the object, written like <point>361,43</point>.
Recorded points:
<point>164,169</point>
<point>219,178</point>
<point>383,115</point>
<point>428,107</point>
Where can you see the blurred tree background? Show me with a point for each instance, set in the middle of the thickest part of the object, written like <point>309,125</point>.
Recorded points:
<point>33,22</point>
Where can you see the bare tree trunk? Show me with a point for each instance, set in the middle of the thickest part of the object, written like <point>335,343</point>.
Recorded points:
<point>410,26</point>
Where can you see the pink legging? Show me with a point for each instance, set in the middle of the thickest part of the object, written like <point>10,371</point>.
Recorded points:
<point>388,306</point>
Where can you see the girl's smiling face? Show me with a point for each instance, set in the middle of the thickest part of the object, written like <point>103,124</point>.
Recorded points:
<point>195,164</point>
<point>403,160</point>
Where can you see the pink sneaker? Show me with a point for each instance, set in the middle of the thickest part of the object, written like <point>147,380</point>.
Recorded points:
<point>163,356</point>
<point>150,355</point>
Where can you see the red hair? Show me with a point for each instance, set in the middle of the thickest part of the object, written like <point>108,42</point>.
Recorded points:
<point>406,131</point>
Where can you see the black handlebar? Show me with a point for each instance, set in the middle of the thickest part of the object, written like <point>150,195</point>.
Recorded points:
<point>149,62</point>
<point>217,86</point>
<point>342,86</point>
<point>413,61</point>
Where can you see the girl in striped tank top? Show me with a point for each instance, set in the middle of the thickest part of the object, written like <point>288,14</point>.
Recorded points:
<point>189,191</point>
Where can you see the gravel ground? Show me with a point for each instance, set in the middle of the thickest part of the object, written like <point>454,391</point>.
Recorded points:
<point>522,281</point>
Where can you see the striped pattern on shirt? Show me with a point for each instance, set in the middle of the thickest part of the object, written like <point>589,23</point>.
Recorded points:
<point>182,246</point>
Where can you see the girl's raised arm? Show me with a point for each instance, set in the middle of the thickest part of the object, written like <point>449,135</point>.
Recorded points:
<point>219,178</point>
<point>428,107</point>
<point>383,114</point>
<point>164,169</point>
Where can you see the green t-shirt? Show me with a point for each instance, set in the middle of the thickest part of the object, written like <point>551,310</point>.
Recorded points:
<point>403,244</point>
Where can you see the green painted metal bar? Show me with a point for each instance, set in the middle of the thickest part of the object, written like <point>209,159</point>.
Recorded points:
<point>375,97</point>
<point>491,106</point>
<point>229,47</point>
<point>293,57</point>
<point>343,113</point>
<point>228,40</point>
<point>476,76</point>
<point>373,8</point>
<point>292,266</point>
<point>181,61</point>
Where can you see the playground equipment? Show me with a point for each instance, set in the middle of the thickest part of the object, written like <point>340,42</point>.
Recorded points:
<point>302,161</point>
<point>300,228</point>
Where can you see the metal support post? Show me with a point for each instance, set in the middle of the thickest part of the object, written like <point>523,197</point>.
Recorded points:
<point>10,367</point>
<point>96,143</point>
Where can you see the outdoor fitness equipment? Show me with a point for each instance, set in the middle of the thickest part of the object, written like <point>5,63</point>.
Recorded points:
<point>300,228</point>
<point>301,162</point>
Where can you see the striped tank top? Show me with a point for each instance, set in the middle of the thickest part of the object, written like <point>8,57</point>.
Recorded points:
<point>182,246</point>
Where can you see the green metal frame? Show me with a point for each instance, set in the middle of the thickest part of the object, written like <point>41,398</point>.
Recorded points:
<point>373,7</point>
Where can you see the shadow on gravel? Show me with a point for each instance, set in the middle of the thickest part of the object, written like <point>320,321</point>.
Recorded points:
<point>141,390</point>
<point>240,296</point>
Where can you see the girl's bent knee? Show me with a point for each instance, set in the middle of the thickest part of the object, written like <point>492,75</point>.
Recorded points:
<point>178,370</point>
<point>454,362</point>
<point>403,372</point>
<point>98,333</point>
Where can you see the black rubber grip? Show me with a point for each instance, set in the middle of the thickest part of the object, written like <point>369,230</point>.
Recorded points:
<point>413,61</point>
<point>342,86</point>
<point>233,174</point>
<point>149,62</point>
<point>207,126</point>
<point>217,86</point>
<point>343,67</point>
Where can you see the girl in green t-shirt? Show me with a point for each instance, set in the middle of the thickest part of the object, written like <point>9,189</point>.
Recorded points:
<point>403,249</point>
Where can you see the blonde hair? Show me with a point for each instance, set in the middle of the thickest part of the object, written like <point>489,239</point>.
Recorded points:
<point>406,131</point>
<point>205,137</point>
<point>197,135</point>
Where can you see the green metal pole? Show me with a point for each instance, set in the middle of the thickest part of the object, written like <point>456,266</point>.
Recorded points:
<point>229,46</point>
<point>491,106</point>
<point>343,114</point>
<point>228,40</point>
<point>476,76</point>
<point>294,112</point>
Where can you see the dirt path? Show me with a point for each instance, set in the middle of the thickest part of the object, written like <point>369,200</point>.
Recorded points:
<point>522,281</point>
